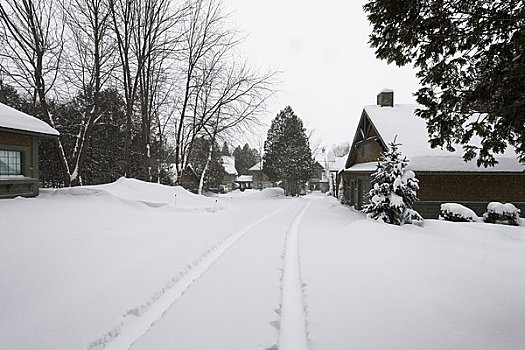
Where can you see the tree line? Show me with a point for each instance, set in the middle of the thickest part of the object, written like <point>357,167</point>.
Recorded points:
<point>133,86</point>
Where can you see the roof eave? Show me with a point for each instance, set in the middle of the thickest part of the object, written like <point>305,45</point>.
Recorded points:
<point>30,133</point>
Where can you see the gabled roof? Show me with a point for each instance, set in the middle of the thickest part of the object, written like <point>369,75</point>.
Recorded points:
<point>13,119</point>
<point>257,167</point>
<point>339,163</point>
<point>229,165</point>
<point>411,132</point>
<point>334,163</point>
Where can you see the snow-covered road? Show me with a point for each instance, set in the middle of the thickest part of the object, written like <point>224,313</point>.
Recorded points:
<point>123,266</point>
<point>235,304</point>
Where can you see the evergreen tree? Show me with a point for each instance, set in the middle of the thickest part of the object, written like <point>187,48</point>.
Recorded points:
<point>393,191</point>
<point>245,158</point>
<point>10,97</point>
<point>470,57</point>
<point>288,157</point>
<point>225,151</point>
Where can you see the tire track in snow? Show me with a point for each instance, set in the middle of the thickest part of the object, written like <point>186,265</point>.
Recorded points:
<point>292,331</point>
<point>138,321</point>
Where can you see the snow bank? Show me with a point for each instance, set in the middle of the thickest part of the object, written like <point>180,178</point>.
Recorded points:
<point>77,262</point>
<point>444,286</point>
<point>146,193</point>
<point>268,193</point>
<point>457,212</point>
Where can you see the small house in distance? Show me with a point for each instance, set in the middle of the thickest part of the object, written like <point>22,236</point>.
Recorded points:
<point>230,172</point>
<point>244,182</point>
<point>331,165</point>
<point>259,179</point>
<point>19,135</point>
<point>443,176</point>
<point>318,181</point>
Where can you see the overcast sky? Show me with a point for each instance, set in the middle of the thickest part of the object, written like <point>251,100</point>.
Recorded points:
<point>328,71</point>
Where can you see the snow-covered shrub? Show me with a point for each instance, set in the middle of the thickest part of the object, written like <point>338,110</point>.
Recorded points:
<point>457,213</point>
<point>410,216</point>
<point>499,213</point>
<point>393,191</point>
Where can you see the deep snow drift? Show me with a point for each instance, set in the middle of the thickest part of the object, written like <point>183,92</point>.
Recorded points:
<point>123,265</point>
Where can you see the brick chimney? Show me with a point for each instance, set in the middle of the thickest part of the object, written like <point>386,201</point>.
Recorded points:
<point>385,98</point>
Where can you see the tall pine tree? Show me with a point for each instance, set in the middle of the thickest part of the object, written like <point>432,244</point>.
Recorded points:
<point>393,190</point>
<point>245,158</point>
<point>288,157</point>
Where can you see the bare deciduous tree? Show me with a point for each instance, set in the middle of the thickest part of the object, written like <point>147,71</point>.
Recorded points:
<point>89,65</point>
<point>31,49</point>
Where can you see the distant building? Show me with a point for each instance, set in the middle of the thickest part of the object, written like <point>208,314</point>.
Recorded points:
<point>443,176</point>
<point>19,136</point>
<point>245,182</point>
<point>326,178</point>
<point>319,180</point>
<point>230,172</point>
<point>260,179</point>
<point>189,178</point>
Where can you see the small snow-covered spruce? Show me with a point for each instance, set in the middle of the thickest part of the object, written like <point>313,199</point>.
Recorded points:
<point>499,213</point>
<point>393,190</point>
<point>457,213</point>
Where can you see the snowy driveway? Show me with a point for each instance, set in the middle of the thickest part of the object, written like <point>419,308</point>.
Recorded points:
<point>250,272</point>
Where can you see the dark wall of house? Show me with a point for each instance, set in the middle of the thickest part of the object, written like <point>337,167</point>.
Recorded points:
<point>27,144</point>
<point>19,140</point>
<point>471,187</point>
<point>472,190</point>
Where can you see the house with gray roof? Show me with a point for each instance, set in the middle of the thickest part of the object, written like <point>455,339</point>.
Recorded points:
<point>443,176</point>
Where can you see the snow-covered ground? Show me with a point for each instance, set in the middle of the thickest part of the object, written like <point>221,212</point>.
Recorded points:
<point>131,265</point>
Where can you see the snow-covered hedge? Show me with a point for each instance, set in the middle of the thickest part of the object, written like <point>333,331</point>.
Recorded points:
<point>457,213</point>
<point>499,213</point>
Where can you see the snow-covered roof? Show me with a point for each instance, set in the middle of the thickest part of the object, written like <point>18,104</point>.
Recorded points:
<point>386,90</point>
<point>339,163</point>
<point>411,133</point>
<point>229,165</point>
<point>245,178</point>
<point>257,167</point>
<point>334,163</point>
<point>11,118</point>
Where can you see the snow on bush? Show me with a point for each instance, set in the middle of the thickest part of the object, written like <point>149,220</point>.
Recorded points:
<point>457,213</point>
<point>393,191</point>
<point>499,213</point>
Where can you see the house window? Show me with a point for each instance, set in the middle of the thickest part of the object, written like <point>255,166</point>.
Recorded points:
<point>10,162</point>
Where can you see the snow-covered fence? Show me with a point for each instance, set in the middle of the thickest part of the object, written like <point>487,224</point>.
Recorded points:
<point>499,213</point>
<point>457,213</point>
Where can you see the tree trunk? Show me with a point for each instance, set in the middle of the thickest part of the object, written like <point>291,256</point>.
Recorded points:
<point>208,161</point>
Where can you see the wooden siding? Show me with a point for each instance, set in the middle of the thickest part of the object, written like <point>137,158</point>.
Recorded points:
<point>19,140</point>
<point>482,187</point>
<point>28,146</point>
